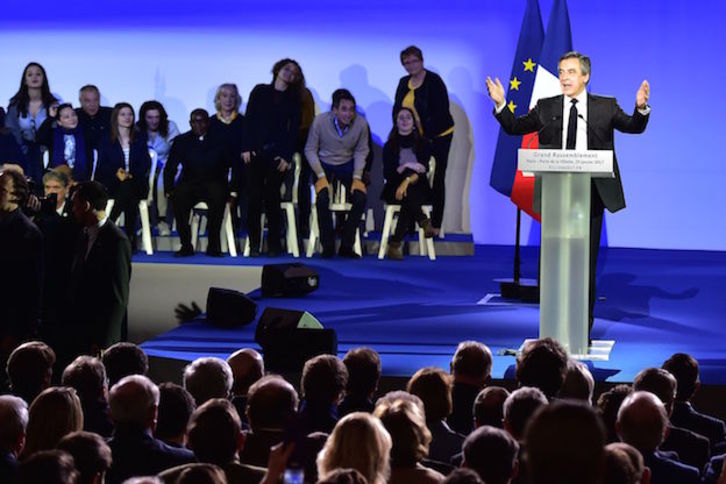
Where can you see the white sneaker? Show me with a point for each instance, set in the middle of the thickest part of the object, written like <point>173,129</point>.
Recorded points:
<point>163,229</point>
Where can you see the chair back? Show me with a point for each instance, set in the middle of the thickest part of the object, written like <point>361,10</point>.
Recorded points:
<point>152,174</point>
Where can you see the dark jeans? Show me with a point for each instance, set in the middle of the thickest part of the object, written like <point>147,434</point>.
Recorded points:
<point>343,174</point>
<point>189,193</point>
<point>126,200</point>
<point>441,147</point>
<point>304,203</point>
<point>265,182</point>
<point>417,195</point>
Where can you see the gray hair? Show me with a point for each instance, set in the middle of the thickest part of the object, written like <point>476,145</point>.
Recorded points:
<point>131,399</point>
<point>208,377</point>
<point>585,65</point>
<point>13,420</point>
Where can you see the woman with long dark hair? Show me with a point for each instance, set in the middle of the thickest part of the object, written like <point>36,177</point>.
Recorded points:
<point>67,142</point>
<point>272,129</point>
<point>27,110</point>
<point>123,167</point>
<point>406,157</point>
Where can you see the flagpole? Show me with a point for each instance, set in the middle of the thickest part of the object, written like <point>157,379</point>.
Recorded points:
<point>517,288</point>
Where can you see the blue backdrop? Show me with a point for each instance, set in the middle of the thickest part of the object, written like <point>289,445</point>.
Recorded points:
<point>178,52</point>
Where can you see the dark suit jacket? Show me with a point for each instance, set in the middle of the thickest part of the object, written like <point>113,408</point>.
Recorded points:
<point>462,416</point>
<point>684,415</point>
<point>235,473</point>
<point>603,117</point>
<point>111,158</point>
<point>692,449</point>
<point>99,288</point>
<point>666,471</point>
<point>713,469</point>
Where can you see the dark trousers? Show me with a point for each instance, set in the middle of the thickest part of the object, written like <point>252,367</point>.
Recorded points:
<point>126,200</point>
<point>189,193</point>
<point>410,207</point>
<point>265,182</point>
<point>303,198</point>
<point>597,210</point>
<point>441,147</point>
<point>357,199</point>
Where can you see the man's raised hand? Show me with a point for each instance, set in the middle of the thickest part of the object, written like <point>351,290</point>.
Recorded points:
<point>495,90</point>
<point>641,98</point>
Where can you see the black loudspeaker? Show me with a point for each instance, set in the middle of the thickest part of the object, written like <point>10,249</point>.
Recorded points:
<point>288,280</point>
<point>289,338</point>
<point>229,309</point>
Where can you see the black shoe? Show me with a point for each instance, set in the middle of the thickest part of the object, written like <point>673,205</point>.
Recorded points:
<point>184,252</point>
<point>274,251</point>
<point>328,253</point>
<point>428,229</point>
<point>347,252</point>
<point>214,253</point>
<point>254,251</point>
<point>395,250</point>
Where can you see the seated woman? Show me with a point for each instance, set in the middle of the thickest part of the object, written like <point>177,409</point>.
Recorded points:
<point>27,110</point>
<point>405,162</point>
<point>272,128</point>
<point>159,132</point>
<point>67,142</point>
<point>123,167</point>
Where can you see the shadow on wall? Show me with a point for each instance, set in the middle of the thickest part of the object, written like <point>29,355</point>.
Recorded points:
<point>175,107</point>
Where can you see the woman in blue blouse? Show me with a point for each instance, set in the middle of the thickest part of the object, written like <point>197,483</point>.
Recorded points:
<point>123,167</point>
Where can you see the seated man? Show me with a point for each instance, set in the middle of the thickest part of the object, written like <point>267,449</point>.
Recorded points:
<point>124,359</point>
<point>247,367</point>
<point>87,376</point>
<point>91,455</point>
<point>364,371</point>
<point>204,177</point>
<point>336,149</point>
<point>323,382</point>
<point>13,421</point>
<point>94,118</point>
<point>30,368</point>
<point>542,364</point>
<point>471,368</point>
<point>208,377</point>
<point>492,453</point>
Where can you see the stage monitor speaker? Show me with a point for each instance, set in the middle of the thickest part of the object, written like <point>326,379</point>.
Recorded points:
<point>227,308</point>
<point>289,338</point>
<point>288,280</point>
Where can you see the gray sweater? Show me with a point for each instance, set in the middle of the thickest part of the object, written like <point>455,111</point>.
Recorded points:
<point>324,144</point>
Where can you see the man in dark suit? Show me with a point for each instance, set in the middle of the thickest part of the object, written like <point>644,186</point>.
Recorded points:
<point>94,118</point>
<point>99,284</point>
<point>579,120</point>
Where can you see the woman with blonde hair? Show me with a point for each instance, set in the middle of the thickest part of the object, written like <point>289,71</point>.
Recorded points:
<point>402,414</point>
<point>359,441</point>
<point>55,413</point>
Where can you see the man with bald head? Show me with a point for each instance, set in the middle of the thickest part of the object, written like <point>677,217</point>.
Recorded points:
<point>643,423</point>
<point>247,367</point>
<point>134,402</point>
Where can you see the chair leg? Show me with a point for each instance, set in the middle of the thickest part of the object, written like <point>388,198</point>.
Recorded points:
<point>228,231</point>
<point>145,226</point>
<point>291,235</point>
<point>194,226</point>
<point>357,245</point>
<point>423,240</point>
<point>314,232</point>
<point>386,232</point>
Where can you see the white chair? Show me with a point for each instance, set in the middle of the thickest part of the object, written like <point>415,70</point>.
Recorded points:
<point>46,158</point>
<point>143,204</point>
<point>426,246</point>
<point>289,208</point>
<point>338,204</point>
<point>227,236</point>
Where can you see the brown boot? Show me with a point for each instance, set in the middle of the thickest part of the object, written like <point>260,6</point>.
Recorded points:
<point>395,250</point>
<point>429,230</point>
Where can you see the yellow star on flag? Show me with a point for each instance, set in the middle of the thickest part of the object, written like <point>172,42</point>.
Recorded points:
<point>514,83</point>
<point>511,106</point>
<point>529,65</point>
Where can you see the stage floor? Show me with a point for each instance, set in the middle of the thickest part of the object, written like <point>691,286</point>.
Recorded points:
<point>653,303</point>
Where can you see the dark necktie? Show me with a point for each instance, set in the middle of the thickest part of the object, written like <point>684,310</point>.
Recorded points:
<point>572,127</point>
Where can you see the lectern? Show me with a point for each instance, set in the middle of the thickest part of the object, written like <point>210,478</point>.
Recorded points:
<point>565,251</point>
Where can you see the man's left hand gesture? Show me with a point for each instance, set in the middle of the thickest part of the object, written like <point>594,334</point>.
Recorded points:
<point>641,98</point>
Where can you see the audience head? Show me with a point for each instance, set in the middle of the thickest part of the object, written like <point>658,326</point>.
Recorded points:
<point>215,432</point>
<point>199,122</point>
<point>133,402</point>
<point>542,364</point>
<point>87,376</point>
<point>343,106</point>
<point>66,116</point>
<point>247,367</point>
<point>608,405</point>
<point>48,467</point>
<point>358,441</point>
<point>412,60</point>
<point>565,444</point>
<point>122,117</point>
<point>34,77</point>
<point>14,190</point>
<point>91,454</point>
<point>227,98</point>
<point>642,421</point>
<point>579,383</point>
<point>324,378</point>
<point>433,386</point>
<point>492,453</point>
<point>364,371</point>
<point>90,99</point>
<point>124,359</point>
<point>462,475</point>
<point>489,407</point>
<point>411,51</point>
<point>153,118</point>
<point>684,368</point>
<point>89,205</point>
<point>288,71</point>
<point>175,407</point>
<point>30,368</point>
<point>208,377</point>
<point>202,474</point>
<point>271,402</point>
<point>13,422</point>
<point>624,465</point>
<point>658,382</point>
<point>55,181</point>
<point>144,480</point>
<point>343,476</point>
<point>55,413</point>
<point>402,414</point>
<point>519,408</point>
<point>472,363</point>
